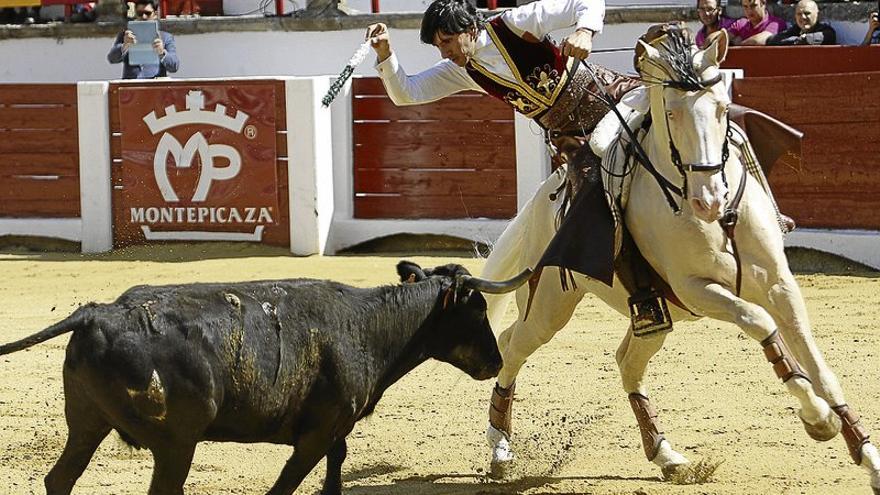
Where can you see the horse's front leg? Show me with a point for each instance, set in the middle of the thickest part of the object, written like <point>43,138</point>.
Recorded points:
<point>550,310</point>
<point>632,357</point>
<point>788,309</point>
<point>709,298</point>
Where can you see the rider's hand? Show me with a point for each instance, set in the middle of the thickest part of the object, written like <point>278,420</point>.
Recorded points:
<point>379,40</point>
<point>579,44</point>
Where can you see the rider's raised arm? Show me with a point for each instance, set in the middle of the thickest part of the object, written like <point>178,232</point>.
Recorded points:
<point>439,81</point>
<point>542,17</point>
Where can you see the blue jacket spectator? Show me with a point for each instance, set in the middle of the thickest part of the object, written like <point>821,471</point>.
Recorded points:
<point>163,45</point>
<point>872,37</point>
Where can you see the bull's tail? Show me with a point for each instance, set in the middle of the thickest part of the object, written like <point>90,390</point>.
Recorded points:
<point>521,245</point>
<point>79,319</point>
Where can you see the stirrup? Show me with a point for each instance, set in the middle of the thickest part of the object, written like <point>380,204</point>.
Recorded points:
<point>648,313</point>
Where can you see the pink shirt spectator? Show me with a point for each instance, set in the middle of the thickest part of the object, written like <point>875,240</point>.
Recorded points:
<point>742,29</point>
<point>725,22</point>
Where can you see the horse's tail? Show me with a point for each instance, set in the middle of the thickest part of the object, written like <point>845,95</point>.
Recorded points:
<point>80,318</point>
<point>520,245</point>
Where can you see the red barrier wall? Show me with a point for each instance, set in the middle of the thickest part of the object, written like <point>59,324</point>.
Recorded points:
<point>257,186</point>
<point>840,117</point>
<point>455,158</point>
<point>773,61</point>
<point>39,151</point>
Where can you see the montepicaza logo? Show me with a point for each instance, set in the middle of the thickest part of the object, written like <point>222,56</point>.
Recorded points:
<point>219,162</point>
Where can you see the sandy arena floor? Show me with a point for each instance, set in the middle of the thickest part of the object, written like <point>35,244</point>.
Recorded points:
<point>574,431</point>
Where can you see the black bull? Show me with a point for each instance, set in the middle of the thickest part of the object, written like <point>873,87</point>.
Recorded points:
<point>294,362</point>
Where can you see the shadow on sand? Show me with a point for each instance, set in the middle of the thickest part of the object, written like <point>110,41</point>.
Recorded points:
<point>475,484</point>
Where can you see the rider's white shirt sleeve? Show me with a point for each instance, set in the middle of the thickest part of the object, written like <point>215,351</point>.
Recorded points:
<point>541,17</point>
<point>438,81</point>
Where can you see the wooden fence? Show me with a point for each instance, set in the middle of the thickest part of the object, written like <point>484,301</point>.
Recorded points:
<point>39,151</point>
<point>839,115</point>
<point>455,158</point>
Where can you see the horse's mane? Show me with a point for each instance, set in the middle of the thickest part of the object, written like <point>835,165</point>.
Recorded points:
<point>676,48</point>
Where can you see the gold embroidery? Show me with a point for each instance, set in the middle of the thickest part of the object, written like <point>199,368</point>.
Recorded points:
<point>544,79</point>
<point>521,104</point>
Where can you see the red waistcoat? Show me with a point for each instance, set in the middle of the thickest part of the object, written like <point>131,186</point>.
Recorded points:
<point>540,70</point>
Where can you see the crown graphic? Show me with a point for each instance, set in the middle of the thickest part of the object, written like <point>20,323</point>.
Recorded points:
<point>195,114</point>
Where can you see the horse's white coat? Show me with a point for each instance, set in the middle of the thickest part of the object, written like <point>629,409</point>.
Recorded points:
<point>690,251</point>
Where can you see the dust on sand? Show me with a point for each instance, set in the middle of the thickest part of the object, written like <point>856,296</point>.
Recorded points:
<point>574,431</point>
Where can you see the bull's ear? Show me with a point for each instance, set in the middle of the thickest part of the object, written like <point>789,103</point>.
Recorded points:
<point>410,272</point>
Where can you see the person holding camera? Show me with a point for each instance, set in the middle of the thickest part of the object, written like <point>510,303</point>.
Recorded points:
<point>872,37</point>
<point>163,45</point>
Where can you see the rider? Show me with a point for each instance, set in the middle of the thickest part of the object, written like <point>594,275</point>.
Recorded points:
<point>511,57</point>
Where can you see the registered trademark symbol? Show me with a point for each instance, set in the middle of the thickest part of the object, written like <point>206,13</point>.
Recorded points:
<point>250,132</point>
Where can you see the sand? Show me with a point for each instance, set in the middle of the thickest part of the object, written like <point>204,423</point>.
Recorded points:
<point>574,431</point>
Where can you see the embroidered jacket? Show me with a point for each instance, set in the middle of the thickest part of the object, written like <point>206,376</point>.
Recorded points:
<point>540,71</point>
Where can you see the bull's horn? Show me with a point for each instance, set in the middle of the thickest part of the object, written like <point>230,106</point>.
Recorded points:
<point>492,287</point>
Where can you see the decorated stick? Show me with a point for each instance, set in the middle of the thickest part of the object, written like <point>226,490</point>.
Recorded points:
<point>337,85</point>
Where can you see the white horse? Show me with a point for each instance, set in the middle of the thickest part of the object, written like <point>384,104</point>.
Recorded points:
<point>687,145</point>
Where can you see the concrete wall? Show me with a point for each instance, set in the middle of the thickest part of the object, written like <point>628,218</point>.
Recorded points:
<point>257,53</point>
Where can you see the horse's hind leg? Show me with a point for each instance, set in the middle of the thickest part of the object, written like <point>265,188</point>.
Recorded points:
<point>86,429</point>
<point>550,310</point>
<point>788,309</point>
<point>633,356</point>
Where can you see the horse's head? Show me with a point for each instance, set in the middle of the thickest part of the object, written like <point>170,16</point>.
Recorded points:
<point>688,97</point>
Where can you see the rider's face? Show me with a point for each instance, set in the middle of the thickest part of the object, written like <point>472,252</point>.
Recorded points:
<point>458,48</point>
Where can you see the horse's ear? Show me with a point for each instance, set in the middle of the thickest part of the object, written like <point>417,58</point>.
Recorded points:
<point>714,53</point>
<point>645,51</point>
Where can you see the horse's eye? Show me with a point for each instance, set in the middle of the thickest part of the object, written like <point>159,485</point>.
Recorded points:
<point>669,114</point>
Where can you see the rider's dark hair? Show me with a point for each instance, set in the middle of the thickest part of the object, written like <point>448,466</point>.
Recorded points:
<point>449,17</point>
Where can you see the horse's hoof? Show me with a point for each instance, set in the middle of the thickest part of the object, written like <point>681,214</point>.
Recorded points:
<point>499,470</point>
<point>669,470</point>
<point>823,430</point>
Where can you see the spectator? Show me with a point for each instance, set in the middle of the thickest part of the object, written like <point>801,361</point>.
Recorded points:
<point>713,19</point>
<point>757,26</point>
<point>872,37</point>
<point>163,45</point>
<point>807,31</point>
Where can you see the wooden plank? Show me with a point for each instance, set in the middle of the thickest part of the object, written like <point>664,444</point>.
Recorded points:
<point>66,164</point>
<point>424,182</point>
<point>832,210</point>
<point>463,134</point>
<point>27,189</point>
<point>61,208</point>
<point>763,61</point>
<point>501,206</point>
<point>367,86</point>
<point>38,141</point>
<point>56,117</point>
<point>470,106</point>
<point>436,155</point>
<point>59,94</point>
